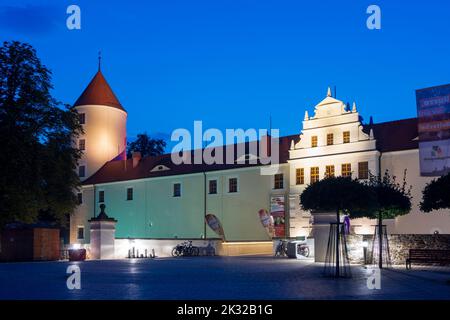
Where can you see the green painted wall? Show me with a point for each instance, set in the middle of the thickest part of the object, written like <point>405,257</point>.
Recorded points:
<point>155,213</point>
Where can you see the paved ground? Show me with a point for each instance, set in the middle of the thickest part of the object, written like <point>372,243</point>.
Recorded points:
<point>213,278</point>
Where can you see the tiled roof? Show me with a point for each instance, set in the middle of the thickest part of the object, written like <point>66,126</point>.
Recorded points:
<point>98,92</point>
<point>391,136</point>
<point>123,170</point>
<point>395,135</point>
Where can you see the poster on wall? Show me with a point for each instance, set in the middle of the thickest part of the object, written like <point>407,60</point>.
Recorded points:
<point>277,211</point>
<point>433,110</point>
<point>267,222</point>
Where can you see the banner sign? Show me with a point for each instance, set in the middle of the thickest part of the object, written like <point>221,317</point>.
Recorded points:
<point>277,211</point>
<point>267,222</point>
<point>433,110</point>
<point>214,223</point>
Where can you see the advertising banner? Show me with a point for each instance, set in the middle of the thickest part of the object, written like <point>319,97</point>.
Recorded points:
<point>433,110</point>
<point>277,211</point>
<point>267,222</point>
<point>214,223</point>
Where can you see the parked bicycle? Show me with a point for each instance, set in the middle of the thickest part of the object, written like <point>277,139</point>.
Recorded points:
<point>303,250</point>
<point>185,249</point>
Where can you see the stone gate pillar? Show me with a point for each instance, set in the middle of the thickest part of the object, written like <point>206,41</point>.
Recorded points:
<point>103,234</point>
<point>320,233</point>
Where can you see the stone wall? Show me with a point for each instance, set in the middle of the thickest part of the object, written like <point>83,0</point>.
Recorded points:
<point>399,245</point>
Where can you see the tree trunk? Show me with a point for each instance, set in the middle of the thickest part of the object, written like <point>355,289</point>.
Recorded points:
<point>380,240</point>
<point>338,220</point>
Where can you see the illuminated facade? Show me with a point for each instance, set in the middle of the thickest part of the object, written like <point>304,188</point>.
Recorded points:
<point>152,198</point>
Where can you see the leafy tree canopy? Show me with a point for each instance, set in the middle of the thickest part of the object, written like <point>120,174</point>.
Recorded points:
<point>146,146</point>
<point>336,193</point>
<point>391,199</point>
<point>38,159</point>
<point>436,194</point>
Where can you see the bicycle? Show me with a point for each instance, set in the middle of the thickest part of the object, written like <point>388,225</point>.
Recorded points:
<point>303,250</point>
<point>185,249</point>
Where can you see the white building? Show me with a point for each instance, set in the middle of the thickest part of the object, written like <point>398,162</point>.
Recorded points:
<point>154,199</point>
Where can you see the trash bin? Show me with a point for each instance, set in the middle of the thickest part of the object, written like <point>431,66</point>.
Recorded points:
<point>292,249</point>
<point>77,254</point>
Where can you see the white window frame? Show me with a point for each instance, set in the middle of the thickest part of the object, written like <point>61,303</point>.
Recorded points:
<point>228,184</point>
<point>217,186</point>
<point>273,181</point>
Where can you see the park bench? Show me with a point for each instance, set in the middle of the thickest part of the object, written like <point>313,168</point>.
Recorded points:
<point>428,256</point>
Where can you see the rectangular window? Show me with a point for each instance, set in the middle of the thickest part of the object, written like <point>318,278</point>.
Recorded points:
<point>80,233</point>
<point>232,185</point>
<point>346,136</point>
<point>363,170</point>
<point>177,189</point>
<point>129,193</point>
<point>81,171</point>
<point>330,139</point>
<point>346,170</point>
<point>101,196</point>
<point>313,141</point>
<point>82,144</point>
<point>300,176</point>
<point>329,171</point>
<point>80,197</point>
<point>278,181</point>
<point>212,187</point>
<point>82,118</point>
<point>314,174</point>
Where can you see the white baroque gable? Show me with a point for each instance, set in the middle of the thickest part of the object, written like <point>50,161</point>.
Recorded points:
<point>331,116</point>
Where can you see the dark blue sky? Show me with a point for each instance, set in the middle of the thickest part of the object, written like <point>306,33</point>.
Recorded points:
<point>234,63</point>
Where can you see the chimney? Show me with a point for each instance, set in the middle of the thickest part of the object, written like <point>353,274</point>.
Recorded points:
<point>136,156</point>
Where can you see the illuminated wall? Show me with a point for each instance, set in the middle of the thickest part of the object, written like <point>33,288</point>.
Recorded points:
<point>155,213</point>
<point>104,135</point>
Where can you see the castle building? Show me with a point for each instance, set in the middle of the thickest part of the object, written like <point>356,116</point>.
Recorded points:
<point>154,199</point>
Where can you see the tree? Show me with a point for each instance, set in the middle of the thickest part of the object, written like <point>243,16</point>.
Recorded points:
<point>146,146</point>
<point>38,158</point>
<point>337,194</point>
<point>436,194</point>
<point>391,200</point>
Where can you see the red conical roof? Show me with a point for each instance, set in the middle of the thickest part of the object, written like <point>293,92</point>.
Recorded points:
<point>99,92</point>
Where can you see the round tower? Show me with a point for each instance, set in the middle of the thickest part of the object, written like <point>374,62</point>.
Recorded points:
<point>104,123</point>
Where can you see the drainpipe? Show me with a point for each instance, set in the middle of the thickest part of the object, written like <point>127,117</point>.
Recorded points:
<point>95,200</point>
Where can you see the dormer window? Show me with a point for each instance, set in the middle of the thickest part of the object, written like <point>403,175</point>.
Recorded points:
<point>160,167</point>
<point>247,157</point>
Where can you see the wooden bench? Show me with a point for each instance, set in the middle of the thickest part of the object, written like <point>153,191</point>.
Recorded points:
<point>428,256</point>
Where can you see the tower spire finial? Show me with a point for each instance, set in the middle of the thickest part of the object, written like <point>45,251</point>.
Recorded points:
<point>99,60</point>
<point>329,92</point>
